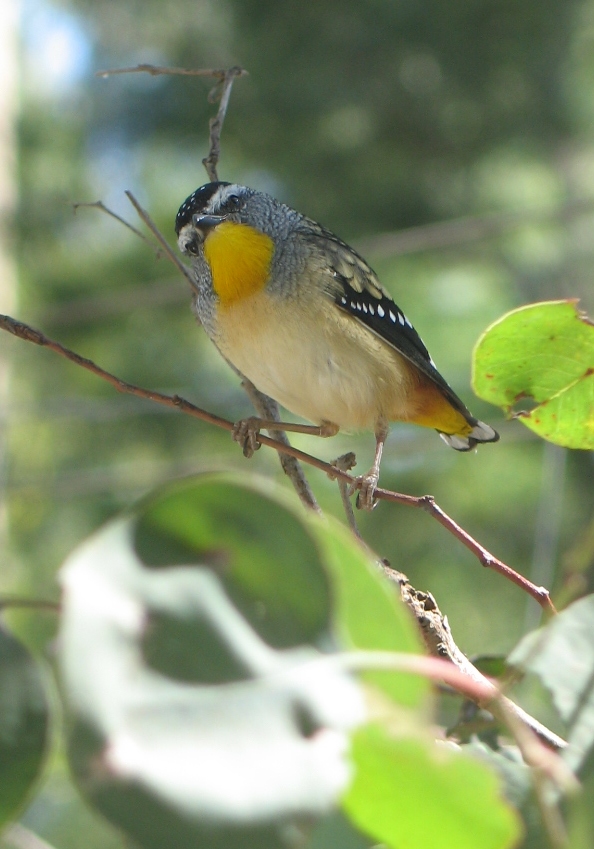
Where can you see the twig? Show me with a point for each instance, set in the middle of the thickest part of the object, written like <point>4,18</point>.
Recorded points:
<point>98,204</point>
<point>345,463</point>
<point>439,641</point>
<point>161,239</point>
<point>35,603</point>
<point>428,503</point>
<point>157,70</point>
<point>222,93</point>
<point>267,408</point>
<point>425,502</point>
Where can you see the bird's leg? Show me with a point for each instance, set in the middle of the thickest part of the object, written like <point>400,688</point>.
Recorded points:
<point>368,482</point>
<point>245,431</point>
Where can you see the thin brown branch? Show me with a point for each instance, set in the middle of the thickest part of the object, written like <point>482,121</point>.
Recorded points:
<point>33,603</point>
<point>267,408</point>
<point>425,502</point>
<point>222,93</point>
<point>171,255</point>
<point>428,503</point>
<point>345,463</point>
<point>157,70</point>
<point>98,204</point>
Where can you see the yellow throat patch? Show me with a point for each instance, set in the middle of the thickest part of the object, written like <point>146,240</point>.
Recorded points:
<point>239,258</point>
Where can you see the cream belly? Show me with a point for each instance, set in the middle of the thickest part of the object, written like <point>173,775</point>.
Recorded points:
<point>339,372</point>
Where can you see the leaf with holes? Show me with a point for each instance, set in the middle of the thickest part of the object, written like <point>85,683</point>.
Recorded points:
<point>543,353</point>
<point>205,705</point>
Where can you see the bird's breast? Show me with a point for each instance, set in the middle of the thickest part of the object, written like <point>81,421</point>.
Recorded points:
<point>239,258</point>
<point>314,360</point>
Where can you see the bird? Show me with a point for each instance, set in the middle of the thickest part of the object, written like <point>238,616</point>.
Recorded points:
<point>304,317</point>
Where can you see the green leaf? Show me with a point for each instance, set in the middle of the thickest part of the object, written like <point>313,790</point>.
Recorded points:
<point>415,794</point>
<point>186,726</point>
<point>368,613</point>
<point>543,352</point>
<point>24,724</point>
<point>562,655</point>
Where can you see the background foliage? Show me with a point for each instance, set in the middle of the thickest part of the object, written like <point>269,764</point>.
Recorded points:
<point>372,117</point>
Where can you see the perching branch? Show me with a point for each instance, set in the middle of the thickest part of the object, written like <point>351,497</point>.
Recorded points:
<point>425,502</point>
<point>433,625</point>
<point>267,408</point>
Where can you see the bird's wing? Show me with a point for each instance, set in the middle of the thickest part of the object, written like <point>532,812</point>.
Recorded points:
<point>356,290</point>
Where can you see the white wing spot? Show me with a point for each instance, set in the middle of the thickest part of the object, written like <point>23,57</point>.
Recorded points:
<point>392,316</point>
<point>353,305</point>
<point>380,311</point>
<point>401,318</point>
<point>371,310</point>
<point>343,300</point>
<point>365,308</point>
<point>407,322</point>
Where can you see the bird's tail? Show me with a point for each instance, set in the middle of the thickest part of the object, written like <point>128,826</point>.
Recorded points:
<point>480,432</point>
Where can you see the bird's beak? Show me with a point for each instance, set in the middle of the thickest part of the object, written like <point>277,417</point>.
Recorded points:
<point>205,223</point>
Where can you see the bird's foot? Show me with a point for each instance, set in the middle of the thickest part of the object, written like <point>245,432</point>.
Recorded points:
<point>245,433</point>
<point>366,484</point>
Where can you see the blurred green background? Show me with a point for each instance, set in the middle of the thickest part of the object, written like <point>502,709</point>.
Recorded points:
<point>451,143</point>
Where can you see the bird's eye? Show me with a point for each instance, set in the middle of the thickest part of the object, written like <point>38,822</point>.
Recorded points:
<point>233,202</point>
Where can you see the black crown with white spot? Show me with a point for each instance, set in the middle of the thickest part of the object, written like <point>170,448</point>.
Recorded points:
<point>196,202</point>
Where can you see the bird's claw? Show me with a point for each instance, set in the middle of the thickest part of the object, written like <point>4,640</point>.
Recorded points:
<point>366,484</point>
<point>245,432</point>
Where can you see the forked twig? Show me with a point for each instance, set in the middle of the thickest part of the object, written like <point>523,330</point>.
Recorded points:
<point>144,216</point>
<point>222,93</point>
<point>98,204</point>
<point>426,502</point>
